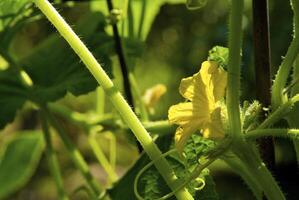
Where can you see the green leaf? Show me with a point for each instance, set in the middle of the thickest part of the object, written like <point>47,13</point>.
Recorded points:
<point>10,11</point>
<point>54,67</point>
<point>220,55</point>
<point>12,96</point>
<point>19,161</point>
<point>151,11</point>
<point>152,186</point>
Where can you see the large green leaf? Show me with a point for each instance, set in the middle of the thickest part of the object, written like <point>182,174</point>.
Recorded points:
<point>152,186</point>
<point>19,160</point>
<point>55,69</point>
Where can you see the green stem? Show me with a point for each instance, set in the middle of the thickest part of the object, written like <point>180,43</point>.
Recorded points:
<point>286,65</point>
<point>74,153</point>
<point>53,162</point>
<point>238,167</point>
<point>115,96</point>
<point>162,127</point>
<point>130,20</point>
<point>100,101</point>
<point>279,113</point>
<point>101,157</point>
<point>249,156</point>
<point>143,111</point>
<point>112,151</point>
<point>234,62</point>
<point>82,120</point>
<point>290,133</point>
<point>142,16</point>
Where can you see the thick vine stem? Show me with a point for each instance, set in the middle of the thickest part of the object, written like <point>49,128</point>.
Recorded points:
<point>249,156</point>
<point>115,97</point>
<point>286,65</point>
<point>240,168</point>
<point>234,62</point>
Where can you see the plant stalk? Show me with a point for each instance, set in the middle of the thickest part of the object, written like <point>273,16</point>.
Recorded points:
<point>287,133</point>
<point>53,162</point>
<point>234,62</point>
<point>249,156</point>
<point>283,72</point>
<point>74,153</point>
<point>115,96</point>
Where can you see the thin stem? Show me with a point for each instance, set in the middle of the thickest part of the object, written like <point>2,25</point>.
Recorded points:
<point>289,133</point>
<point>130,20</point>
<point>74,153</point>
<point>122,59</point>
<point>279,113</point>
<point>286,65</point>
<point>115,96</point>
<point>53,162</point>
<point>234,62</point>
<point>143,111</point>
<point>82,121</point>
<point>162,127</point>
<point>112,150</point>
<point>142,16</point>
<point>100,101</point>
<point>101,157</point>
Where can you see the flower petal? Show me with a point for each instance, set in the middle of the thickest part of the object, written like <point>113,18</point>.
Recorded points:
<point>215,80</point>
<point>214,129</point>
<point>182,134</point>
<point>188,113</point>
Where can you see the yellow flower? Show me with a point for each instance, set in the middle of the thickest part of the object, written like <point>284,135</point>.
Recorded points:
<point>202,111</point>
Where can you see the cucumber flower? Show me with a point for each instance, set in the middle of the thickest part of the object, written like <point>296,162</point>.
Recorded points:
<point>202,110</point>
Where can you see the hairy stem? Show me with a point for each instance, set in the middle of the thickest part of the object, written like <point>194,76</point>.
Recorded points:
<point>234,62</point>
<point>249,156</point>
<point>238,167</point>
<point>279,113</point>
<point>283,72</point>
<point>115,96</point>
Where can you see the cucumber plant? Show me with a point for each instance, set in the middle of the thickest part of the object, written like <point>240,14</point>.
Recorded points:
<point>212,124</point>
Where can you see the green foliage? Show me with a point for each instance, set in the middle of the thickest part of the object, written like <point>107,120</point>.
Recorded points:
<point>195,4</point>
<point>55,69</point>
<point>10,10</point>
<point>19,160</point>
<point>251,114</point>
<point>152,186</point>
<point>220,55</point>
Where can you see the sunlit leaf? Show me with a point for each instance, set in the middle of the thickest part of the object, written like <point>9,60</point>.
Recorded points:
<point>19,160</point>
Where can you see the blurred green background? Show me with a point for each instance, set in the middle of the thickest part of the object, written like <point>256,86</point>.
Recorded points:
<point>178,42</point>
